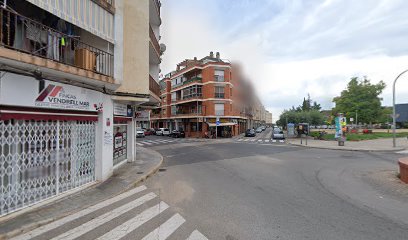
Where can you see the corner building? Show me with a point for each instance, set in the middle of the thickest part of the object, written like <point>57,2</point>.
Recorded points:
<point>199,93</point>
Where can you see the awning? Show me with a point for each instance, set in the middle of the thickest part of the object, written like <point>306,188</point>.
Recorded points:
<point>222,124</point>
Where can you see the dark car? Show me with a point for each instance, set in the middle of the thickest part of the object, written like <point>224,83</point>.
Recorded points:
<point>250,133</point>
<point>178,134</point>
<point>150,131</point>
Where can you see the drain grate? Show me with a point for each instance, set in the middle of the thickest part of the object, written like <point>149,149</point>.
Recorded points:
<point>162,170</point>
<point>140,172</point>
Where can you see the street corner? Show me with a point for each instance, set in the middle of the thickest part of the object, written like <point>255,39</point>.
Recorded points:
<point>387,182</point>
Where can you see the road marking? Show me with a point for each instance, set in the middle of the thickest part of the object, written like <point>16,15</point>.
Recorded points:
<point>148,143</point>
<point>166,229</point>
<point>38,231</point>
<point>134,223</point>
<point>104,218</point>
<point>139,144</point>
<point>246,140</point>
<point>196,235</point>
<point>403,152</point>
<point>274,141</point>
<point>239,140</point>
<point>253,140</point>
<point>267,140</point>
<point>260,140</point>
<point>281,141</point>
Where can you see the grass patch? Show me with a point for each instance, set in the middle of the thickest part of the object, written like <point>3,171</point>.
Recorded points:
<point>360,136</point>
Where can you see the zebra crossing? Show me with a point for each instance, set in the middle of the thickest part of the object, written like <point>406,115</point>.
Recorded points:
<point>153,142</point>
<point>135,214</point>
<point>260,141</point>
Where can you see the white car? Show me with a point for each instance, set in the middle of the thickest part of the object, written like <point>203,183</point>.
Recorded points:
<point>163,132</point>
<point>140,133</point>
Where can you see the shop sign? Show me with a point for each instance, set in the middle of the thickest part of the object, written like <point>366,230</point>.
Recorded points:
<point>21,91</point>
<point>120,109</point>
<point>142,116</point>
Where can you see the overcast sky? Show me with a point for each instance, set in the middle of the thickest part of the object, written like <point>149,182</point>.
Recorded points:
<point>292,48</point>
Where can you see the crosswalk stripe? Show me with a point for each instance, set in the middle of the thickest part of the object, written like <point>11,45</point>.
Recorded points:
<point>239,140</point>
<point>260,140</point>
<point>246,140</point>
<point>148,143</point>
<point>267,140</point>
<point>166,229</point>
<point>134,223</point>
<point>104,218</point>
<point>38,231</point>
<point>253,140</point>
<point>139,144</point>
<point>274,141</point>
<point>403,152</point>
<point>281,141</point>
<point>196,235</point>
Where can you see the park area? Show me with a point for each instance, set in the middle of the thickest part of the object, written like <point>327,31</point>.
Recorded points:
<point>375,134</point>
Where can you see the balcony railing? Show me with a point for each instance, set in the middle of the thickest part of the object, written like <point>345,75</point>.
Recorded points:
<point>45,42</point>
<point>154,40</point>
<point>219,78</point>
<point>154,86</point>
<point>219,95</point>
<point>194,79</point>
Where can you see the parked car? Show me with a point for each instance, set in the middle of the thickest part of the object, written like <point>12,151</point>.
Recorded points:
<point>259,130</point>
<point>149,132</point>
<point>140,133</point>
<point>278,134</point>
<point>250,133</point>
<point>163,132</point>
<point>178,134</point>
<point>263,128</point>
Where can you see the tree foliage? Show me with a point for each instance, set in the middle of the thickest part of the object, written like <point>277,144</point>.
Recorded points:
<point>308,112</point>
<point>362,97</point>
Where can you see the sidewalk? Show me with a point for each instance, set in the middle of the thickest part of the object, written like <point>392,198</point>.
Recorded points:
<point>124,178</point>
<point>383,144</point>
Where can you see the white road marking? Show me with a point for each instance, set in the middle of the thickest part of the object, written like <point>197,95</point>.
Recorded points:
<point>246,140</point>
<point>38,231</point>
<point>281,141</point>
<point>196,235</point>
<point>403,152</point>
<point>134,223</point>
<point>253,140</point>
<point>166,229</point>
<point>267,140</point>
<point>148,143</point>
<point>104,218</point>
<point>274,141</point>
<point>260,140</point>
<point>139,144</point>
<point>239,140</point>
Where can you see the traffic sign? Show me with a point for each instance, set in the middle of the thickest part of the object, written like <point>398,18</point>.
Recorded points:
<point>217,123</point>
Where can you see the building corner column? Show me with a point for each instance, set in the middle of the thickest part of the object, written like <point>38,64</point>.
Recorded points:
<point>104,141</point>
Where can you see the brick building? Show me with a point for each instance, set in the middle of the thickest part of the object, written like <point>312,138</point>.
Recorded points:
<point>201,91</point>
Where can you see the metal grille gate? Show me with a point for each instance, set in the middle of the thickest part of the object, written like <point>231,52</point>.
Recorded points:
<point>40,159</point>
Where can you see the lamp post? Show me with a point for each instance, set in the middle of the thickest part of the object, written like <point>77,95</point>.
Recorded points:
<point>393,110</point>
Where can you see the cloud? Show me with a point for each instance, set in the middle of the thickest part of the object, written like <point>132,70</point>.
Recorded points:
<point>292,48</point>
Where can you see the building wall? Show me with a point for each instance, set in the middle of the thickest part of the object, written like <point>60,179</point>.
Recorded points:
<point>135,46</point>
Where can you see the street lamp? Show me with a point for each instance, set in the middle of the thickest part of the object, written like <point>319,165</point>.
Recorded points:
<point>394,125</point>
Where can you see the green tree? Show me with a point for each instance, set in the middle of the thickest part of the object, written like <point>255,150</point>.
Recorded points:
<point>363,97</point>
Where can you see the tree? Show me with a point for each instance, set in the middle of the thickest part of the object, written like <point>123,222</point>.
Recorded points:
<point>363,97</point>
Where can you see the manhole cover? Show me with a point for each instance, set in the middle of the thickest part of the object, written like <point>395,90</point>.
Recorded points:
<point>162,170</point>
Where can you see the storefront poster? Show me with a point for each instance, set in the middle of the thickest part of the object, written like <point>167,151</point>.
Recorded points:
<point>142,116</point>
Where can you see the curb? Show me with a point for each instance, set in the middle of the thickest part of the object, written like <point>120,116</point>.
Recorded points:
<point>352,150</point>
<point>131,185</point>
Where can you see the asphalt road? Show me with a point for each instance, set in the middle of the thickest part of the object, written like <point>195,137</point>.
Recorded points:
<point>237,190</point>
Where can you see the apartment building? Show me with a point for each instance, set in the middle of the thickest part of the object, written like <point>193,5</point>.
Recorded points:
<point>268,118</point>
<point>204,96</point>
<point>71,75</point>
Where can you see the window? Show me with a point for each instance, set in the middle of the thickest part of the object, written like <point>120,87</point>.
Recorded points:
<point>194,127</point>
<point>193,91</point>
<point>173,110</point>
<point>219,75</point>
<point>173,96</point>
<point>219,109</point>
<point>219,92</point>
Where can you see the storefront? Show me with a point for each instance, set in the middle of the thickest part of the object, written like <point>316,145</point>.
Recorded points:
<point>122,121</point>
<point>48,136</point>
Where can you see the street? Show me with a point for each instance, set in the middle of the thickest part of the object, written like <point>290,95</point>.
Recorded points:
<point>240,190</point>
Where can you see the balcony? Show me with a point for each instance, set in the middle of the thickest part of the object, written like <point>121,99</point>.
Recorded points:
<point>194,79</point>
<point>108,5</point>
<point>155,115</point>
<point>44,42</point>
<point>218,78</point>
<point>219,95</point>
<point>154,41</point>
<point>154,86</point>
<point>187,100</point>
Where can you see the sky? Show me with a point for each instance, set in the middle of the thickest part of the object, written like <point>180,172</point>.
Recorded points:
<point>292,48</point>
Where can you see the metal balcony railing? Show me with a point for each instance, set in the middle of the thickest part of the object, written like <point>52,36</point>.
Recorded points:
<point>219,78</point>
<point>194,79</point>
<point>219,95</point>
<point>45,42</point>
<point>154,86</point>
